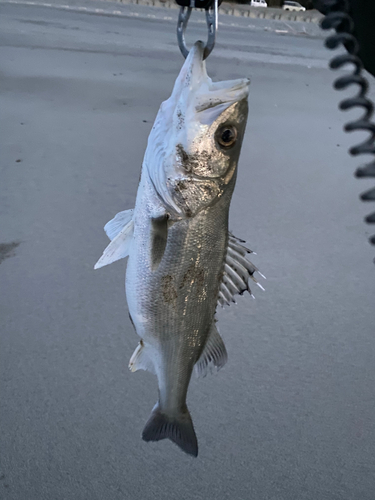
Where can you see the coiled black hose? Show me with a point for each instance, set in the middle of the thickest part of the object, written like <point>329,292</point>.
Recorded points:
<point>338,18</point>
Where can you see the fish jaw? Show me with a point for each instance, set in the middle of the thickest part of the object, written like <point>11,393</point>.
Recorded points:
<point>183,147</point>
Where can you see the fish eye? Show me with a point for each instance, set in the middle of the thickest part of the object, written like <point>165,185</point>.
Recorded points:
<point>226,136</point>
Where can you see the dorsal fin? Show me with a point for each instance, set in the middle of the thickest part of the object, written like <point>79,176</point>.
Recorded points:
<point>237,272</point>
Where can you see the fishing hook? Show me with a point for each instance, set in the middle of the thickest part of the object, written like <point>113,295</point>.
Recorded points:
<point>212,21</point>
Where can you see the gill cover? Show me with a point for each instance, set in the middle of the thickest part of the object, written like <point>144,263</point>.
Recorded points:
<point>194,145</point>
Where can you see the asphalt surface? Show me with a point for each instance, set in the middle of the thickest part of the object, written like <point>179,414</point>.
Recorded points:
<point>291,416</point>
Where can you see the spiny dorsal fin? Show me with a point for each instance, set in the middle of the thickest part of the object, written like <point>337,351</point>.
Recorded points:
<point>120,244</point>
<point>214,353</point>
<point>237,272</point>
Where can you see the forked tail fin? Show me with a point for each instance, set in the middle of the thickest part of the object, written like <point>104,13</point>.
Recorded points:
<point>178,429</point>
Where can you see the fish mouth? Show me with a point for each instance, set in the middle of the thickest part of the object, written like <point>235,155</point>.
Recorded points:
<point>193,81</point>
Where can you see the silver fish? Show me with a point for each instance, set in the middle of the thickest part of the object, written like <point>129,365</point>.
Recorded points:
<point>183,262</point>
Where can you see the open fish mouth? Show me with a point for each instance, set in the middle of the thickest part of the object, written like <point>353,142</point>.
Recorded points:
<point>195,91</point>
<point>193,78</point>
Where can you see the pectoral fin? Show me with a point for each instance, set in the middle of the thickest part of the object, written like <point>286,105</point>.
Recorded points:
<point>237,272</point>
<point>159,236</point>
<point>214,354</point>
<point>120,244</point>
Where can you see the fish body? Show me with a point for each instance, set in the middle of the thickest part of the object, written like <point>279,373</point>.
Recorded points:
<point>173,306</point>
<point>182,259</point>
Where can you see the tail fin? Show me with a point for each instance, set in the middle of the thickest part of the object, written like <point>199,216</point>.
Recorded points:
<point>178,429</point>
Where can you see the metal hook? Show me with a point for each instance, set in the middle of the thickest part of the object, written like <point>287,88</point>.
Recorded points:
<point>211,19</point>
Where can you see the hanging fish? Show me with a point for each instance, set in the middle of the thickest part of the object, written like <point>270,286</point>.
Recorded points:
<point>183,262</point>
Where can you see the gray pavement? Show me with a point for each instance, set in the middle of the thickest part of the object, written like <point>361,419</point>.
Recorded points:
<point>291,416</point>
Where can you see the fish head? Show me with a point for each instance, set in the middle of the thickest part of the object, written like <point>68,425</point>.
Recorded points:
<point>194,146</point>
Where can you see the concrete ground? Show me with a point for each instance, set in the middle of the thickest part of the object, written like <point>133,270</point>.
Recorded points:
<point>291,416</point>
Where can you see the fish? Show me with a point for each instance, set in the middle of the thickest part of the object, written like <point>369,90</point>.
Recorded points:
<point>182,260</point>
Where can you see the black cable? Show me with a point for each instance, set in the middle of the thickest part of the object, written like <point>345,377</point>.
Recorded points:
<point>337,16</point>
